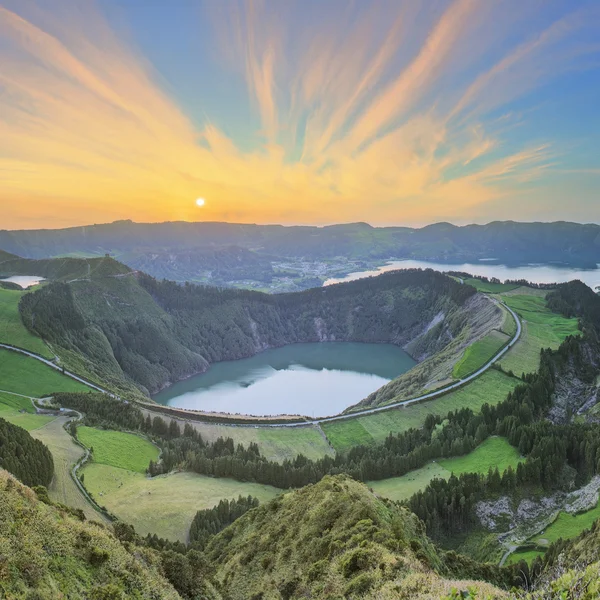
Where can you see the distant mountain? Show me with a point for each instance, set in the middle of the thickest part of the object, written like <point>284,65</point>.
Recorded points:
<point>506,241</point>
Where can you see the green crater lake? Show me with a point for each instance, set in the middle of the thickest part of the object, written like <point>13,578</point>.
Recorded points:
<point>316,380</point>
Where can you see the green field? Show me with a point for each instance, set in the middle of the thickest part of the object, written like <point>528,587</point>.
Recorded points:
<point>166,504</point>
<point>65,453</point>
<point>493,452</point>
<point>526,555</point>
<point>490,288</point>
<point>20,411</point>
<point>541,329</point>
<point>275,443</point>
<point>12,330</point>
<point>26,375</point>
<point>118,449</point>
<point>479,353</point>
<point>567,526</point>
<point>509,327</point>
<point>492,387</point>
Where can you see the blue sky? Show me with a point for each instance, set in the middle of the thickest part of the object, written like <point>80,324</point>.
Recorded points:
<point>310,112</point>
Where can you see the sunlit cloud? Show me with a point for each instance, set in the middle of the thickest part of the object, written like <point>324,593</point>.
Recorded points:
<point>372,118</point>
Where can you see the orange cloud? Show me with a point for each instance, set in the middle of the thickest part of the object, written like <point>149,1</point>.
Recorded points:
<point>87,133</point>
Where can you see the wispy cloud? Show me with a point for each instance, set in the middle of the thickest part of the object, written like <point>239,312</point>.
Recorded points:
<point>380,116</point>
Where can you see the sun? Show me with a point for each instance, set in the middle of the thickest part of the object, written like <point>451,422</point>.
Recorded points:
<point>200,202</point>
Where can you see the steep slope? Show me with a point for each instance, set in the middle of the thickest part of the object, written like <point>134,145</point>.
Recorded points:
<point>46,553</point>
<point>331,540</point>
<point>134,330</point>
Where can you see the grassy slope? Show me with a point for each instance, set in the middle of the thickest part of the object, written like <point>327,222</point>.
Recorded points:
<point>526,555</point>
<point>118,449</point>
<point>25,375</point>
<point>492,387</point>
<point>493,452</point>
<point>334,539</point>
<point>20,411</point>
<point>164,505</point>
<point>542,329</point>
<point>46,554</point>
<point>478,354</point>
<point>567,526</point>
<point>490,288</point>
<point>65,453</point>
<point>12,330</point>
<point>275,443</point>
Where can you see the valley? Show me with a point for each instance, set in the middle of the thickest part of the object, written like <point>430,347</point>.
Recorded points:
<point>165,504</point>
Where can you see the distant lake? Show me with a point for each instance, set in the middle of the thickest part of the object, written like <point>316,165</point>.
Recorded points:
<point>319,379</point>
<point>486,267</point>
<point>24,281</point>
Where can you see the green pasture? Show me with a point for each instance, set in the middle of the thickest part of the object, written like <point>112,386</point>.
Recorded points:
<point>493,452</point>
<point>23,374</point>
<point>166,504</point>
<point>491,387</point>
<point>541,329</point>
<point>118,449</point>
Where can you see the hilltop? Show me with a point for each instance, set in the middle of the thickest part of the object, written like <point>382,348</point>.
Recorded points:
<point>336,539</point>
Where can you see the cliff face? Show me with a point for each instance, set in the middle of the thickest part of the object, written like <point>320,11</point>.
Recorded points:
<point>134,332</point>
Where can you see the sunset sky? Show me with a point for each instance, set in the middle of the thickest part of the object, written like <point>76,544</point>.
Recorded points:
<point>315,112</point>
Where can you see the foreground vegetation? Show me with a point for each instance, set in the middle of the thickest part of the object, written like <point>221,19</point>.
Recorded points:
<point>49,553</point>
<point>335,539</point>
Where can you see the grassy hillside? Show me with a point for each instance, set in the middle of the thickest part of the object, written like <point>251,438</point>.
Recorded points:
<point>333,539</point>
<point>479,353</point>
<point>47,553</point>
<point>567,526</point>
<point>493,452</point>
<point>164,505</point>
<point>542,328</point>
<point>19,410</point>
<point>118,449</point>
<point>12,329</point>
<point>491,388</point>
<point>25,375</point>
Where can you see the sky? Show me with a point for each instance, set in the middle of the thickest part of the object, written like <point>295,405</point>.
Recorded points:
<point>313,112</point>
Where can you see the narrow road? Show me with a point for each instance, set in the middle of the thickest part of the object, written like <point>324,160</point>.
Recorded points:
<point>55,366</point>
